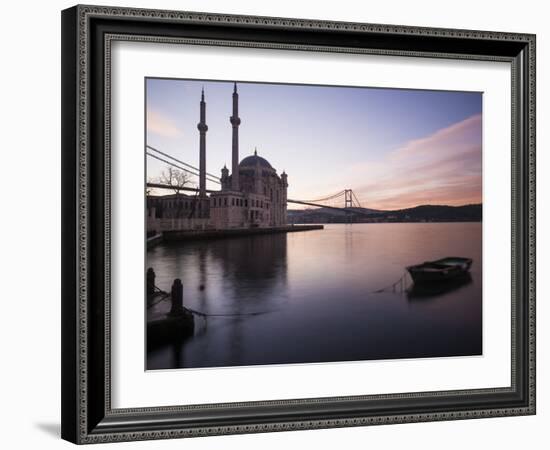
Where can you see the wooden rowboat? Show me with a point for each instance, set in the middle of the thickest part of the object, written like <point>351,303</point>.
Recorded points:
<point>440,270</point>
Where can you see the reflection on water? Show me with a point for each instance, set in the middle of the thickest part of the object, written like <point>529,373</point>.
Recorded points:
<point>437,289</point>
<point>310,296</point>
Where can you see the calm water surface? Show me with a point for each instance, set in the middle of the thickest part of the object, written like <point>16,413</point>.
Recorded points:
<point>311,296</point>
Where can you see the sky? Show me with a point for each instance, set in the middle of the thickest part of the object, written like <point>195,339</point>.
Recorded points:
<point>396,148</point>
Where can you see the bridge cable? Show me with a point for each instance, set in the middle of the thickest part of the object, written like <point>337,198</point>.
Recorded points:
<point>355,197</point>
<point>181,168</point>
<point>339,194</point>
<point>180,162</point>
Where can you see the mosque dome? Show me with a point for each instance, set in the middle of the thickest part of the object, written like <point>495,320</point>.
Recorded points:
<point>253,160</point>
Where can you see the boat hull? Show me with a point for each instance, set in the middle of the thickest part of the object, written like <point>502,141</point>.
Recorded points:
<point>440,270</point>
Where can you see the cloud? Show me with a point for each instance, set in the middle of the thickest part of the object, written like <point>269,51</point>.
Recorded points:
<point>161,125</point>
<point>442,168</point>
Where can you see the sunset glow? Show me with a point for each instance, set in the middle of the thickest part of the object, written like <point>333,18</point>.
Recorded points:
<point>395,148</point>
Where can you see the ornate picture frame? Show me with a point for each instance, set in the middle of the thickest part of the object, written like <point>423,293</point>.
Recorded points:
<point>88,33</point>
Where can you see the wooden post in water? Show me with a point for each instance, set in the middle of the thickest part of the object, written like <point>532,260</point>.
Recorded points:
<point>150,284</point>
<point>150,281</point>
<point>177,298</point>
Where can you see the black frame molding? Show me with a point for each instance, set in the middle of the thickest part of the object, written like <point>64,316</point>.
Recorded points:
<point>87,33</point>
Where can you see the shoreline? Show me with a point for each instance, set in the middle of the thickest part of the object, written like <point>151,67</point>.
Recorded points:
<point>184,235</point>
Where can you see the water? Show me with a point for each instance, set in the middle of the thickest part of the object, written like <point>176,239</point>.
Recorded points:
<point>314,293</point>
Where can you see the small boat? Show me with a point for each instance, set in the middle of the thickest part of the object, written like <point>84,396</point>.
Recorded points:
<point>440,270</point>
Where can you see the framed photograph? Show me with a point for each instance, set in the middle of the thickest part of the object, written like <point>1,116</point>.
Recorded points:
<point>279,224</point>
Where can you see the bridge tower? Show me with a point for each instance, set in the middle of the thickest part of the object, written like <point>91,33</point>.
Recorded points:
<point>348,196</point>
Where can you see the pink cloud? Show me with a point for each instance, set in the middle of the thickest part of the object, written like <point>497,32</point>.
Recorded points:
<point>161,125</point>
<point>443,168</point>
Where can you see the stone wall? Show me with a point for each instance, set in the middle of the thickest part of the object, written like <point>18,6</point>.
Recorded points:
<point>160,225</point>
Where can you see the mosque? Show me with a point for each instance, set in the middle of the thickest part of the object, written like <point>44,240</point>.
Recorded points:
<point>252,195</point>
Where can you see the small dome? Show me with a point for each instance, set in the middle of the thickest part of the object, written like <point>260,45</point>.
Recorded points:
<point>252,160</point>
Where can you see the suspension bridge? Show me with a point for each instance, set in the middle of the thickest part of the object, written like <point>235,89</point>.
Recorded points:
<point>344,200</point>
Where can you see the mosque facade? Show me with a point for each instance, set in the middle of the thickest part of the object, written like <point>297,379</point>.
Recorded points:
<point>252,195</point>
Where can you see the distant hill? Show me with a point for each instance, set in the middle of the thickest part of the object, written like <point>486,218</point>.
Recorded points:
<point>423,213</point>
<point>441,213</point>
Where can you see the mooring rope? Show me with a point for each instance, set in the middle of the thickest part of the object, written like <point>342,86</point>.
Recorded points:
<point>402,281</point>
<point>199,313</point>
<point>160,292</point>
<point>165,295</point>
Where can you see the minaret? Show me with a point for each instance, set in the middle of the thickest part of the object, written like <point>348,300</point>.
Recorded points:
<point>203,128</point>
<point>284,179</point>
<point>224,179</point>
<point>235,121</point>
<point>283,206</point>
